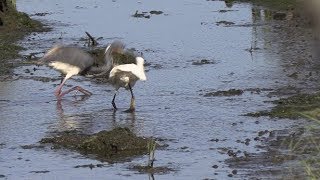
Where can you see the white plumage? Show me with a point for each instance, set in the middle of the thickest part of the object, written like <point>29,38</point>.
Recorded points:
<point>126,76</point>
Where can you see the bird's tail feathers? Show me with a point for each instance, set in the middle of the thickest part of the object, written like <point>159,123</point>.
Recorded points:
<point>48,56</point>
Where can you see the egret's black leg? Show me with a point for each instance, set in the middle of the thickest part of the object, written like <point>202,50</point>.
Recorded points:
<point>113,103</point>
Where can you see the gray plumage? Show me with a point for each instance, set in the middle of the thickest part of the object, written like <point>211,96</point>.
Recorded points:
<point>116,47</point>
<point>69,55</point>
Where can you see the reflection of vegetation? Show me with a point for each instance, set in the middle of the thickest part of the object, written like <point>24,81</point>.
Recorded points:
<point>279,4</point>
<point>308,145</point>
<point>311,172</point>
<point>305,144</point>
<point>311,165</point>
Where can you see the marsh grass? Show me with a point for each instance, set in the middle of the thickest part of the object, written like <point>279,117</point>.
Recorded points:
<point>151,150</point>
<point>308,145</point>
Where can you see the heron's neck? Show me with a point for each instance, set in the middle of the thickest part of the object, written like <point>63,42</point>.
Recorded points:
<point>108,61</point>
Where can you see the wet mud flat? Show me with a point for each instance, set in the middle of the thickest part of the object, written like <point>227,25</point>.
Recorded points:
<point>198,123</point>
<point>287,154</point>
<point>115,146</point>
<point>294,107</point>
<point>111,146</point>
<point>294,152</point>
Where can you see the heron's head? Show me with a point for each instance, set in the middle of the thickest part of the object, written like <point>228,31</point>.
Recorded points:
<point>115,47</point>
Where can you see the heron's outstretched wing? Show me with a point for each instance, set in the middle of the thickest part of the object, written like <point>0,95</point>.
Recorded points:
<point>68,55</point>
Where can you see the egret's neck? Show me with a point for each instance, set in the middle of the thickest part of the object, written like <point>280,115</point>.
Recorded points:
<point>140,64</point>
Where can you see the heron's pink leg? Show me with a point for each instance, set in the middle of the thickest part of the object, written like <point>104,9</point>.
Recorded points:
<point>78,88</point>
<point>57,92</point>
<point>60,94</point>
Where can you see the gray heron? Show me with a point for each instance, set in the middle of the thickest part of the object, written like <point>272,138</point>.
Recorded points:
<point>75,61</point>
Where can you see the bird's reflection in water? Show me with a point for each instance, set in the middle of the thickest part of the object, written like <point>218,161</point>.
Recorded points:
<point>71,121</point>
<point>125,119</point>
<point>151,176</point>
<point>76,115</point>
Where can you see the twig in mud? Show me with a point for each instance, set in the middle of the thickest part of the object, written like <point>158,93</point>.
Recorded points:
<point>91,39</point>
<point>60,36</point>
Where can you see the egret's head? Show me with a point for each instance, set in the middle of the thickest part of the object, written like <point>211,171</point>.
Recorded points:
<point>139,60</point>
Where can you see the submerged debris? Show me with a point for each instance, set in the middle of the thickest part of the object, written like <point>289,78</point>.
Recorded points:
<point>156,12</point>
<point>226,10</point>
<point>146,14</point>
<point>225,23</point>
<point>202,62</point>
<point>152,170</point>
<point>115,145</point>
<point>231,92</point>
<point>41,14</point>
<point>91,166</point>
<point>39,172</point>
<point>141,15</point>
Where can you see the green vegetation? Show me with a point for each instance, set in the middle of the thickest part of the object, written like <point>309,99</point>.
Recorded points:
<point>294,107</point>
<point>151,150</point>
<point>115,145</point>
<point>16,25</point>
<point>230,92</point>
<point>302,145</point>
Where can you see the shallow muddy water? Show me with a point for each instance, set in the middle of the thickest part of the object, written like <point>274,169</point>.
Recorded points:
<point>170,105</point>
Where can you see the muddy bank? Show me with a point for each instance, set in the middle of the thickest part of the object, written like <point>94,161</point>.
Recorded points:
<point>296,106</point>
<point>15,25</point>
<point>116,145</point>
<point>230,92</point>
<point>293,153</point>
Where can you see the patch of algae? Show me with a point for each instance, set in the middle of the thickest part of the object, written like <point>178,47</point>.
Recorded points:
<point>293,107</point>
<point>115,145</point>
